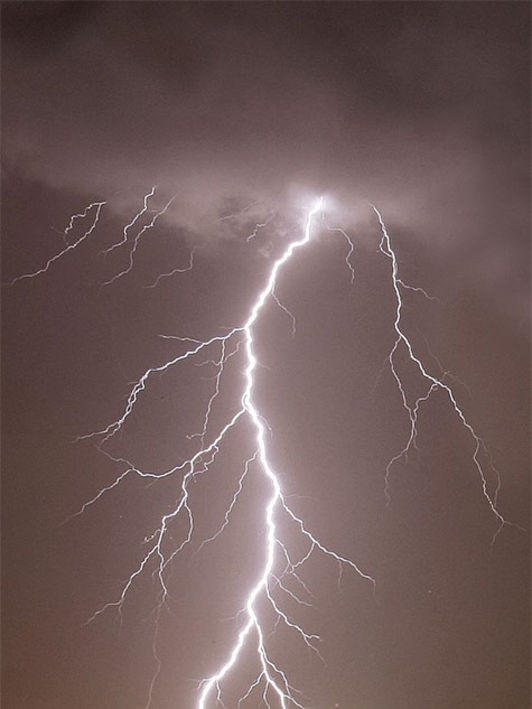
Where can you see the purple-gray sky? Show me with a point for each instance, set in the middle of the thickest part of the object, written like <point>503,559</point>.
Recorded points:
<point>421,108</point>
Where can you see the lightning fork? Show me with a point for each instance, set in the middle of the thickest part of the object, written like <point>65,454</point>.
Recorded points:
<point>131,224</point>
<point>97,207</point>
<point>434,383</point>
<point>239,342</point>
<point>137,238</point>
<point>273,679</point>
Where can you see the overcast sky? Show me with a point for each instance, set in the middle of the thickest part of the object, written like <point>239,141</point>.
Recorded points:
<point>252,110</point>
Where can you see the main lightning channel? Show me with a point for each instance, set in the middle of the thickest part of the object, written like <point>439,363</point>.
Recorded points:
<point>283,692</point>
<point>273,679</point>
<point>241,340</point>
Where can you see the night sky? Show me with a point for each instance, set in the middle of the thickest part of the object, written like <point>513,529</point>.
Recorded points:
<point>244,113</point>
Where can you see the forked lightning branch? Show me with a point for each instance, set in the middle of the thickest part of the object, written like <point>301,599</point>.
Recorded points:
<point>254,637</point>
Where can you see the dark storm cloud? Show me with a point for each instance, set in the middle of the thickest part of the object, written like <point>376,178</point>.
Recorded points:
<point>420,107</point>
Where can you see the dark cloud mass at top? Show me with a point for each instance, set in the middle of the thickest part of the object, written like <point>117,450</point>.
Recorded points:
<point>418,106</point>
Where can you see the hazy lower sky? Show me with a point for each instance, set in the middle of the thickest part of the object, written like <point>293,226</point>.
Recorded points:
<point>243,113</point>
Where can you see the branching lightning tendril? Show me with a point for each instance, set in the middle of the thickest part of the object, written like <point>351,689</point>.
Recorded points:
<point>95,208</point>
<point>434,383</point>
<point>278,564</point>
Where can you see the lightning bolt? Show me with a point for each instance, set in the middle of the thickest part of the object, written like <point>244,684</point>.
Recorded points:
<point>273,677</point>
<point>136,240</point>
<point>402,342</point>
<point>277,562</point>
<point>169,274</point>
<point>93,208</point>
<point>131,224</point>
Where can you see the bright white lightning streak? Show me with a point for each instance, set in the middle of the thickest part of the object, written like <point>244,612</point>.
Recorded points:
<point>274,679</point>
<point>132,223</point>
<point>97,207</point>
<point>283,693</point>
<point>350,249</point>
<point>137,238</point>
<point>186,268</point>
<point>242,338</point>
<point>434,384</point>
<point>73,219</point>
